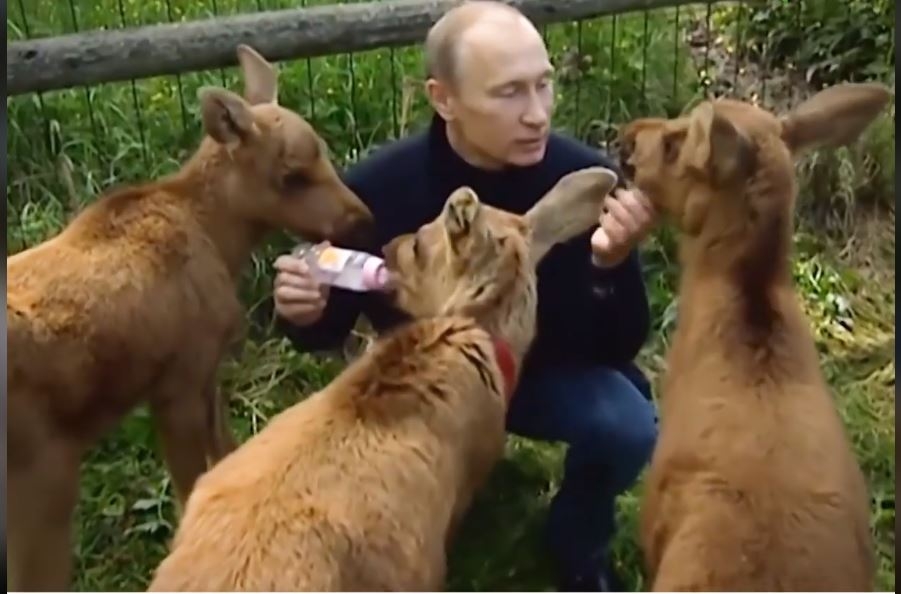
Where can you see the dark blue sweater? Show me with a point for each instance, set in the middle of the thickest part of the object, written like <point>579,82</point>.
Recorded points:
<point>585,314</point>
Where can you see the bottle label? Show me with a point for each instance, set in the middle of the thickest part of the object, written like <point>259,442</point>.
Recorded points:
<point>333,259</point>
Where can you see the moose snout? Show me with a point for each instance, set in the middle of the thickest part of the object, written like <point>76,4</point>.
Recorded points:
<point>357,225</point>
<point>389,252</point>
<point>360,228</point>
<point>623,151</point>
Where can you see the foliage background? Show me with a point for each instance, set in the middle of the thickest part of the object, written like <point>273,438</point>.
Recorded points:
<point>66,147</point>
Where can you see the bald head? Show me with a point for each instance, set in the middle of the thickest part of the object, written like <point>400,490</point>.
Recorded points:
<point>491,80</point>
<point>466,29</point>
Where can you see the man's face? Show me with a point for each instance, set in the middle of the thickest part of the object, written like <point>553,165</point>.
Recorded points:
<point>503,100</point>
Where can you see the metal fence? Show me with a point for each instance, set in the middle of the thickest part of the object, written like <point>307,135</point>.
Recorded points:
<point>66,145</point>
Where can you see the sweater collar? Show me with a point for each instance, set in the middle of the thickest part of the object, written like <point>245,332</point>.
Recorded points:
<point>450,163</point>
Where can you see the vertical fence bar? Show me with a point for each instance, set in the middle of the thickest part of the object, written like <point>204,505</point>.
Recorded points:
<point>739,49</point>
<point>310,97</point>
<point>181,95</point>
<point>676,56</point>
<point>221,70</point>
<point>706,80</point>
<point>644,63</point>
<point>798,23</point>
<point>609,116</point>
<point>763,69</point>
<point>353,103</point>
<point>43,108</point>
<point>578,73</point>
<point>135,101</point>
<point>87,91</point>
<point>394,127</point>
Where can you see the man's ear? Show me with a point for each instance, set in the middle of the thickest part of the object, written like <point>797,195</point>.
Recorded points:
<point>440,98</point>
<point>260,77</point>
<point>571,207</point>
<point>834,117</point>
<point>226,116</point>
<point>714,147</point>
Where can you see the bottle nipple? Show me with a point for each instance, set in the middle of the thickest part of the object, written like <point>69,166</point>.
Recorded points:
<point>375,274</point>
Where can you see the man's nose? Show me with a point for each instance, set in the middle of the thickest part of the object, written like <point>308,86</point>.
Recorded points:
<point>536,112</point>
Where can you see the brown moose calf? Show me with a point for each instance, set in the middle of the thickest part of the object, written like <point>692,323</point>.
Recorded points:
<point>753,484</point>
<point>361,486</point>
<point>135,301</point>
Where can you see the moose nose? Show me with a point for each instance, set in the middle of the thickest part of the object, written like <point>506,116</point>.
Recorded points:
<point>389,252</point>
<point>360,231</point>
<point>624,154</point>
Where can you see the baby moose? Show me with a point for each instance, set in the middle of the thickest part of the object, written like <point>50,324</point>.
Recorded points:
<point>753,485</point>
<point>360,487</point>
<point>136,301</point>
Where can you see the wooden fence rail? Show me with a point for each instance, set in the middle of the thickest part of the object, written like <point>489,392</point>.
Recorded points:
<point>66,61</point>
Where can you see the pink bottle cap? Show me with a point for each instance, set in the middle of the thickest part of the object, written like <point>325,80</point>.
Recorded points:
<point>375,275</point>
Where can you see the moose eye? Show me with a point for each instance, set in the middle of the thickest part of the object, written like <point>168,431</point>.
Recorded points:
<point>672,145</point>
<point>295,181</point>
<point>669,148</point>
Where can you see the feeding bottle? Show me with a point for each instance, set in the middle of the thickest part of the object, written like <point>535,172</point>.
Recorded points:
<point>348,269</point>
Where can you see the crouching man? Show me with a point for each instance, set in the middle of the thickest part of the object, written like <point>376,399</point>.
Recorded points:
<point>490,84</point>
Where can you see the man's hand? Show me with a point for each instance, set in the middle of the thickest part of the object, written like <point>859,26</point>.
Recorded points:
<point>298,297</point>
<point>627,219</point>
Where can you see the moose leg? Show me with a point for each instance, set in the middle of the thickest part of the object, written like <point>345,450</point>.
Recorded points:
<point>42,494</point>
<point>180,427</point>
<point>185,424</point>
<point>222,439</point>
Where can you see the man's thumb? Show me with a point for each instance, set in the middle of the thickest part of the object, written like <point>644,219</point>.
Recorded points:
<point>600,241</point>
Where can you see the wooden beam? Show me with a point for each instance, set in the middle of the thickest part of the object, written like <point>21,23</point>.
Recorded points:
<point>102,56</point>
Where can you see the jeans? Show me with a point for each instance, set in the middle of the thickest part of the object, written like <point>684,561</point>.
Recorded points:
<point>610,428</point>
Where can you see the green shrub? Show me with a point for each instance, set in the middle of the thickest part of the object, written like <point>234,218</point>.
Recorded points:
<point>830,41</point>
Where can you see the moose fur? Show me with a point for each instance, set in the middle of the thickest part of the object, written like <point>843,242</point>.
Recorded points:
<point>753,484</point>
<point>135,301</point>
<point>361,486</point>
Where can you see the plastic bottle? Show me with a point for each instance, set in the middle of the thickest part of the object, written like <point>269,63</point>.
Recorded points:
<point>348,269</point>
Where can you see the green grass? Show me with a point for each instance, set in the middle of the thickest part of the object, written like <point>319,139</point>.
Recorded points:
<point>67,146</point>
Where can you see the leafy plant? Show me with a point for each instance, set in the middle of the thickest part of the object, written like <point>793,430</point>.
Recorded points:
<point>829,41</point>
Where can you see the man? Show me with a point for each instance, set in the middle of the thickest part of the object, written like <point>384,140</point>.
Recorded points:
<point>490,84</point>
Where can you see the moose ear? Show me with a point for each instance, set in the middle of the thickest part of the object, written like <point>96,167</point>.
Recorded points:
<point>834,117</point>
<point>226,116</point>
<point>569,208</point>
<point>462,218</point>
<point>695,152</point>
<point>715,147</point>
<point>260,77</point>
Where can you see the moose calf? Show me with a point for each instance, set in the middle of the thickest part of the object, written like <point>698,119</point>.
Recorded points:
<point>753,485</point>
<point>135,301</point>
<point>361,486</point>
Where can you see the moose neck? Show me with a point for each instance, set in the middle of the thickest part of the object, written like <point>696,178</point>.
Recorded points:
<point>744,255</point>
<point>512,319</point>
<point>212,188</point>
